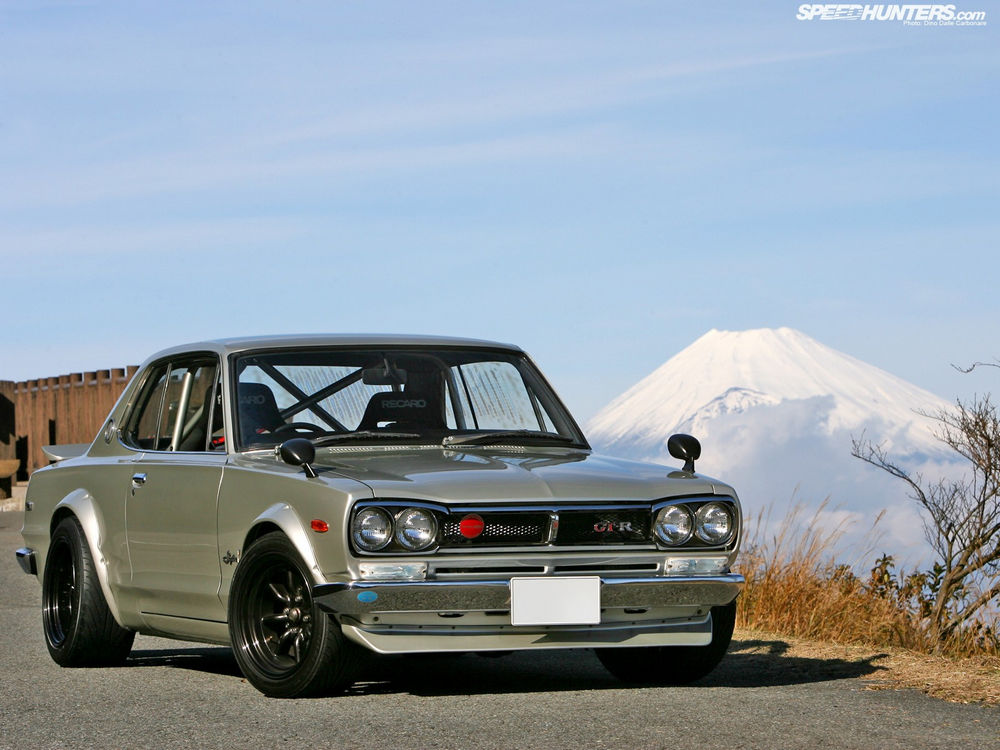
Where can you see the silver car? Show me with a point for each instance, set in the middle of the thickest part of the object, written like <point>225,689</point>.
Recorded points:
<point>308,500</point>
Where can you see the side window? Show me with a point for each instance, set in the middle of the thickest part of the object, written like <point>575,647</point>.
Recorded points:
<point>144,423</point>
<point>174,412</point>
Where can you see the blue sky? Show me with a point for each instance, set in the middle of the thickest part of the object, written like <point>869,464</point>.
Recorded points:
<point>599,182</point>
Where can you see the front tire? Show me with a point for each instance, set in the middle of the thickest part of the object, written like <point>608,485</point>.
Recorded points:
<point>285,645</point>
<point>80,630</point>
<point>672,665</point>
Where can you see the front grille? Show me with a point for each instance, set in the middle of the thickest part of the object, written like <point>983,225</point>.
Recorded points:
<point>507,570</point>
<point>562,528</point>
<point>499,530</point>
<point>599,568</point>
<point>614,527</point>
<point>573,525</point>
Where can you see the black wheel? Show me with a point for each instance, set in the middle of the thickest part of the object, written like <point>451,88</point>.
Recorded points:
<point>285,645</point>
<point>672,665</point>
<point>80,630</point>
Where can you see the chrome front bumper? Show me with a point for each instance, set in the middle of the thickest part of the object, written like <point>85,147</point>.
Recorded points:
<point>360,598</point>
<point>26,559</point>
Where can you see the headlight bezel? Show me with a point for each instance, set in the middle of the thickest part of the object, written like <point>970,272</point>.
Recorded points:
<point>701,522</point>
<point>696,540</point>
<point>370,511</point>
<point>395,509</point>
<point>400,529</point>
<point>683,516</point>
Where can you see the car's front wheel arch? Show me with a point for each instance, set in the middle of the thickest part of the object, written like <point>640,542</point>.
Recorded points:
<point>284,644</point>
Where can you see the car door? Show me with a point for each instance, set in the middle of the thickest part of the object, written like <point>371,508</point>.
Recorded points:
<point>172,494</point>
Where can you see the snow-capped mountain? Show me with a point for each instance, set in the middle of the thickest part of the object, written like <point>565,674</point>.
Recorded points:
<point>775,411</point>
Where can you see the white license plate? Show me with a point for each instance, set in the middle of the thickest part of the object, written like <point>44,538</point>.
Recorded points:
<point>555,601</point>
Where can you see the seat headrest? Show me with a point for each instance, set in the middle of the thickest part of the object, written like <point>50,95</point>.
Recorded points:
<point>257,410</point>
<point>416,409</point>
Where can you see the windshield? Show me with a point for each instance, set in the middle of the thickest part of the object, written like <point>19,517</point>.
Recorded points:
<point>439,396</point>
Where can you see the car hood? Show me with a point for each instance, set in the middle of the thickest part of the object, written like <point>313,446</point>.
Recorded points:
<point>456,476</point>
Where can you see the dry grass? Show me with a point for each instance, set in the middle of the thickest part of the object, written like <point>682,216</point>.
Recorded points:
<point>795,588</point>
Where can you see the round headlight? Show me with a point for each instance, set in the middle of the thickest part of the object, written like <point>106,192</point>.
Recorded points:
<point>371,529</point>
<point>416,529</point>
<point>673,524</point>
<point>714,523</point>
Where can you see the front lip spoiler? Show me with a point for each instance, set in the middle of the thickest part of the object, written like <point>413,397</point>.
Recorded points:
<point>371,597</point>
<point>26,559</point>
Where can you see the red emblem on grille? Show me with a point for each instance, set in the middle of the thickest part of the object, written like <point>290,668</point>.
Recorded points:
<point>471,526</point>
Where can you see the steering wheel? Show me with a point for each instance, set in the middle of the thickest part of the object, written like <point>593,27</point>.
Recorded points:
<point>315,429</point>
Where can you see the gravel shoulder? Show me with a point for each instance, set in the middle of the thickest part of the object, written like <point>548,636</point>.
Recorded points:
<point>958,681</point>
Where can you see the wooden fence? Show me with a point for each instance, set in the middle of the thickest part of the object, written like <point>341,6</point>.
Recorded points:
<point>57,410</point>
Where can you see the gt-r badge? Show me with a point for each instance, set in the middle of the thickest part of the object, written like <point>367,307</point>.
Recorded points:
<point>602,527</point>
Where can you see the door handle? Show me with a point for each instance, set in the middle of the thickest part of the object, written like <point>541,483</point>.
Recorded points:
<point>137,481</point>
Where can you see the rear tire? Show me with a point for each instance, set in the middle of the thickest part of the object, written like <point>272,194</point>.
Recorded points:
<point>80,630</point>
<point>672,665</point>
<point>285,645</point>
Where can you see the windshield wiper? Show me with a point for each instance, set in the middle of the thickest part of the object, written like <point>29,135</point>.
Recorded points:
<point>507,436</point>
<point>362,435</point>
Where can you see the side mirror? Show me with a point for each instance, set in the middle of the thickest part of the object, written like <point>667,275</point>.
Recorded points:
<point>686,448</point>
<point>299,452</point>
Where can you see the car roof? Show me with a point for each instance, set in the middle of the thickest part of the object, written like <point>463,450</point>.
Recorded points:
<point>228,346</point>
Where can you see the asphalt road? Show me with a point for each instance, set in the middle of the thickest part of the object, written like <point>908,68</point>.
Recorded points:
<point>173,694</point>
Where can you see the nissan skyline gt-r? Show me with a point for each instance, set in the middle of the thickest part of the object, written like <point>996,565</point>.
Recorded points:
<point>309,499</point>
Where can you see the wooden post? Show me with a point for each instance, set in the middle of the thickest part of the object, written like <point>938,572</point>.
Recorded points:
<point>35,436</point>
<point>8,439</point>
<point>22,426</point>
<point>77,391</point>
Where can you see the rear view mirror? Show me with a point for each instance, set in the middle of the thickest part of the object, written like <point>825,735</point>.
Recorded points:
<point>385,375</point>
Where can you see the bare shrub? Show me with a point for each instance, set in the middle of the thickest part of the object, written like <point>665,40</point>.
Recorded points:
<point>955,598</point>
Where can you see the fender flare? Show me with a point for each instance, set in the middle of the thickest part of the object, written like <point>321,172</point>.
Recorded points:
<point>285,518</point>
<point>81,504</point>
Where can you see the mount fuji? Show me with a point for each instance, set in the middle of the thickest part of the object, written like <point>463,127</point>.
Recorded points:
<point>775,411</point>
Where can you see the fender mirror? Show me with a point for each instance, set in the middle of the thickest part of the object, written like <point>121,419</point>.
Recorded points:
<point>299,452</point>
<point>686,448</point>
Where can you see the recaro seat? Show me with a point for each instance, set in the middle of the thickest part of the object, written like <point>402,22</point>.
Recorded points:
<point>258,412</point>
<point>415,408</point>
